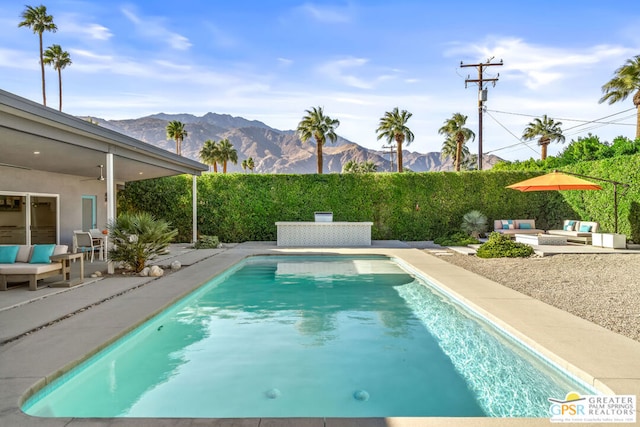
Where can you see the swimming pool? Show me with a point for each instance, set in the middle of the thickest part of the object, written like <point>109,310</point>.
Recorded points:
<point>310,337</point>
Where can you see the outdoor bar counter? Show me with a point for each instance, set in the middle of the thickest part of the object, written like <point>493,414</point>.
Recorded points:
<point>324,234</point>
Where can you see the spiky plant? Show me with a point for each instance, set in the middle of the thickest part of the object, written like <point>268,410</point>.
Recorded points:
<point>138,238</point>
<point>474,223</point>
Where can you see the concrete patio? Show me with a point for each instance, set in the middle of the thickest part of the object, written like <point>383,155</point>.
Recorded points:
<point>47,332</point>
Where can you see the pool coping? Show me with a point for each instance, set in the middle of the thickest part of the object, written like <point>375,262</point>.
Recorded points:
<point>602,358</point>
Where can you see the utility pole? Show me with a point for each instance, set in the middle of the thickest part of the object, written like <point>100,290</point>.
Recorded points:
<point>482,95</point>
<point>392,151</point>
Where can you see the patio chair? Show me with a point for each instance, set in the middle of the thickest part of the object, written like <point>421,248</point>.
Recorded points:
<point>84,242</point>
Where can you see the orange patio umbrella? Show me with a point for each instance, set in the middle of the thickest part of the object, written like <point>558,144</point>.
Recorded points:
<point>569,181</point>
<point>554,181</point>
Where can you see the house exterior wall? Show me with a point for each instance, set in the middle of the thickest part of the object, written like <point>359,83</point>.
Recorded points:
<point>69,188</point>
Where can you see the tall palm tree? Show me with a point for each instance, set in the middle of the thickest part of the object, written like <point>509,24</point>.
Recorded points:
<point>450,150</point>
<point>547,129</point>
<point>319,127</point>
<point>454,130</point>
<point>37,19</point>
<point>177,132</point>
<point>625,82</point>
<point>58,59</point>
<point>227,154</point>
<point>209,154</point>
<point>244,165</point>
<point>393,126</point>
<point>251,164</point>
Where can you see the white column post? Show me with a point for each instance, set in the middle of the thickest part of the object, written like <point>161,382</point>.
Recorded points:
<point>194,197</point>
<point>111,203</point>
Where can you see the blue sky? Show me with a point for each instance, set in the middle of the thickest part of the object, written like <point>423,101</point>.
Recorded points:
<point>271,60</point>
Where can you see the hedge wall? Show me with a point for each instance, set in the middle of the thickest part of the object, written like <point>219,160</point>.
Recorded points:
<point>410,206</point>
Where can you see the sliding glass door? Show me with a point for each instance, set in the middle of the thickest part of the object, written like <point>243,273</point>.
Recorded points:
<point>28,218</point>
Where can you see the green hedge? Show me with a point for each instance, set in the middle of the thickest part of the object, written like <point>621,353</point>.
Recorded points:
<point>409,206</point>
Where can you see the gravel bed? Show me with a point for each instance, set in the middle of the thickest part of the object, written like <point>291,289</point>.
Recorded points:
<point>604,289</point>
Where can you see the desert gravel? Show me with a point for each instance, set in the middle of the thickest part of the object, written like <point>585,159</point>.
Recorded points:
<point>604,289</point>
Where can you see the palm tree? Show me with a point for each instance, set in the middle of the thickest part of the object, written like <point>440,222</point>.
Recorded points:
<point>250,164</point>
<point>244,165</point>
<point>450,150</point>
<point>354,167</point>
<point>227,154</point>
<point>58,59</point>
<point>624,83</point>
<point>209,154</point>
<point>393,126</point>
<point>177,132</point>
<point>319,127</point>
<point>547,129</point>
<point>454,130</point>
<point>37,19</point>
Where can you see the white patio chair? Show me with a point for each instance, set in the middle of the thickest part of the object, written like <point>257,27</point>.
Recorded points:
<point>84,242</point>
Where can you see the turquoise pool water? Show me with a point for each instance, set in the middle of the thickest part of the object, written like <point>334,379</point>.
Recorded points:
<point>319,336</point>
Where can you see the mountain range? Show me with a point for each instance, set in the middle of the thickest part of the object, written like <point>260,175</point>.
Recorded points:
<point>273,150</point>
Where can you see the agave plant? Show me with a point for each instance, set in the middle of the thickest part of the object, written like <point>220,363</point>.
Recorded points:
<point>474,223</point>
<point>138,238</point>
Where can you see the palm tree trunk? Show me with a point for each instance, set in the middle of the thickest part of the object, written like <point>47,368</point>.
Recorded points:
<point>60,87</point>
<point>458,153</point>
<point>44,91</point>
<point>638,122</point>
<point>399,141</point>
<point>224,167</point>
<point>543,155</point>
<point>215,167</point>
<point>319,155</point>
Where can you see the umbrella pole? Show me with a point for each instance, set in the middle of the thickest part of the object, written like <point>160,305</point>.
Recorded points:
<point>615,206</point>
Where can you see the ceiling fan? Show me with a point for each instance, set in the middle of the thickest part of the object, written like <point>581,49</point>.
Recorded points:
<point>101,177</point>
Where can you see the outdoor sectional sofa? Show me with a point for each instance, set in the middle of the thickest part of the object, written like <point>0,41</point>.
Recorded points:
<point>516,226</point>
<point>31,264</point>
<point>577,231</point>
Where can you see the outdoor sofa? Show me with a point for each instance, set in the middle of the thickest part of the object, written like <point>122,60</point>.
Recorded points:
<point>577,231</point>
<point>31,263</point>
<point>511,227</point>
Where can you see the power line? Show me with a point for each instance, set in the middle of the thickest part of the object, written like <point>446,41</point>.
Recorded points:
<point>521,142</point>
<point>575,120</point>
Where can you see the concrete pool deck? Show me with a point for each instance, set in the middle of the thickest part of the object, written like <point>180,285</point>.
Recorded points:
<point>106,309</point>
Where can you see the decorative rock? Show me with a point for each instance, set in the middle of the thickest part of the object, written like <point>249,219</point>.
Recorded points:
<point>145,272</point>
<point>155,271</point>
<point>98,273</point>
<point>175,265</point>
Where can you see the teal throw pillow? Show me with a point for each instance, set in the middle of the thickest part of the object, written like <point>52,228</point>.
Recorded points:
<point>585,228</point>
<point>8,254</point>
<point>41,253</point>
<point>525,226</point>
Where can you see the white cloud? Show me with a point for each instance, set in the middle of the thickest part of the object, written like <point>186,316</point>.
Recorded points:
<point>538,65</point>
<point>153,28</point>
<point>344,71</point>
<point>285,62</point>
<point>327,14</point>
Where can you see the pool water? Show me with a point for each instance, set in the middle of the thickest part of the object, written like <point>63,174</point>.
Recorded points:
<point>320,336</point>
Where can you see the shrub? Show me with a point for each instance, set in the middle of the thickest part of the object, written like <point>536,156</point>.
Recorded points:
<point>457,239</point>
<point>207,242</point>
<point>138,238</point>
<point>501,246</point>
<point>474,223</point>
